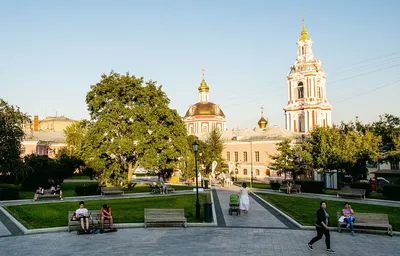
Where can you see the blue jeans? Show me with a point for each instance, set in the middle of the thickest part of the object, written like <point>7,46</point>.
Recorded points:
<point>349,221</point>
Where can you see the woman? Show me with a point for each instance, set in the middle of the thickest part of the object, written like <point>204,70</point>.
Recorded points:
<point>348,213</point>
<point>322,228</point>
<point>244,198</point>
<point>289,186</point>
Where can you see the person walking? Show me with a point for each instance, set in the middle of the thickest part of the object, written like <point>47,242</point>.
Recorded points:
<point>244,198</point>
<point>322,228</point>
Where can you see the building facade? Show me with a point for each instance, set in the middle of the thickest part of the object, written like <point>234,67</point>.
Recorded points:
<point>42,143</point>
<point>307,105</point>
<point>204,116</point>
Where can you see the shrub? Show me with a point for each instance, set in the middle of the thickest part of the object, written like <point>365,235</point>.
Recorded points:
<point>87,190</point>
<point>362,185</point>
<point>392,192</point>
<point>275,185</point>
<point>9,192</point>
<point>311,186</point>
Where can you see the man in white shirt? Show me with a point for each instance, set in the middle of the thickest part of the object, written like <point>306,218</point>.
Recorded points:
<point>82,215</point>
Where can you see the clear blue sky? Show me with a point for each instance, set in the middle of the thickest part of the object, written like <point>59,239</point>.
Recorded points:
<point>52,51</point>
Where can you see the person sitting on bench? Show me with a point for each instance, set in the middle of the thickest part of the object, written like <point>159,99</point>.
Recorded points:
<point>58,191</point>
<point>82,214</point>
<point>106,215</point>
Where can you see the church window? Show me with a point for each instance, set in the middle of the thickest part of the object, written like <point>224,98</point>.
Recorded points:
<point>244,156</point>
<point>244,171</point>
<point>257,156</point>
<point>228,156</point>
<point>204,128</point>
<point>267,172</point>
<point>257,172</point>
<point>236,156</point>
<point>300,90</point>
<point>319,94</point>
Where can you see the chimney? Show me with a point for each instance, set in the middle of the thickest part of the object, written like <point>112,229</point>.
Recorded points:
<point>36,123</point>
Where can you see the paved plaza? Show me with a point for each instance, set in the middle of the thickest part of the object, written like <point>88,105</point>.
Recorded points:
<point>260,232</point>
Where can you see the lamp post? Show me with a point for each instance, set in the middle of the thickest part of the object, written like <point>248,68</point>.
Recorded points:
<point>195,147</point>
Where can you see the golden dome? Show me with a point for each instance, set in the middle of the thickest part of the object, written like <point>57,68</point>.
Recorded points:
<point>304,33</point>
<point>262,123</point>
<point>203,86</point>
<point>204,109</point>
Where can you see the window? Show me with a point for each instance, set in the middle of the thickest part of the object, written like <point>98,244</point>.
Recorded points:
<point>257,156</point>
<point>236,156</point>
<point>394,165</point>
<point>267,172</point>
<point>300,90</point>
<point>244,156</point>
<point>228,156</point>
<point>319,95</point>
<point>244,171</point>
<point>257,172</point>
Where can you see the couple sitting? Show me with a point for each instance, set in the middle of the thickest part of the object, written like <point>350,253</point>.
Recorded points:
<point>82,215</point>
<point>347,217</point>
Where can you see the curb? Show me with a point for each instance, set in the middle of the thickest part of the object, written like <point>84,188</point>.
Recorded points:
<point>214,223</point>
<point>395,233</point>
<point>14,220</point>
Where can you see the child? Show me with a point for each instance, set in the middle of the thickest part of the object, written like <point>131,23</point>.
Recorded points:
<point>82,215</point>
<point>106,215</point>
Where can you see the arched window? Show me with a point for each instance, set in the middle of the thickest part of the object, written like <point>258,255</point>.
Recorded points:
<point>300,90</point>
<point>257,172</point>
<point>244,171</point>
<point>319,92</point>
<point>267,172</point>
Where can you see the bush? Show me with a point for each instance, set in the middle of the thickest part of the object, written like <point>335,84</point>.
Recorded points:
<point>311,186</point>
<point>87,190</point>
<point>275,185</point>
<point>363,185</point>
<point>9,192</point>
<point>392,192</point>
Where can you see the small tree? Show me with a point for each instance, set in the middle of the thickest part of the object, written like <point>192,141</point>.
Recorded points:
<point>283,161</point>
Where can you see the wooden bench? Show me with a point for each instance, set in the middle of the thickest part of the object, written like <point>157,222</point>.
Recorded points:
<point>45,194</point>
<point>351,192</point>
<point>164,216</point>
<point>295,188</point>
<point>76,224</point>
<point>111,191</point>
<point>368,220</point>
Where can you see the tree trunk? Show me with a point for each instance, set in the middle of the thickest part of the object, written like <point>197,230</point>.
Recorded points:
<point>131,171</point>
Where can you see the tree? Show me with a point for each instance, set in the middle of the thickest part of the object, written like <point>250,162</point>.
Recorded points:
<point>74,137</point>
<point>283,161</point>
<point>212,150</point>
<point>12,121</point>
<point>303,160</point>
<point>131,124</point>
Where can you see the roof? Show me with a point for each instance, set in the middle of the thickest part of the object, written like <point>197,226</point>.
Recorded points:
<point>45,136</point>
<point>57,118</point>
<point>258,134</point>
<point>204,108</point>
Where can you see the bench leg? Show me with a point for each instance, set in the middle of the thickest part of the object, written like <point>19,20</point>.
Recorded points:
<point>390,232</point>
<point>184,224</point>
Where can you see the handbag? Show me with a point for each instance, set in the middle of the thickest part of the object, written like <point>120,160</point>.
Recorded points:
<point>341,219</point>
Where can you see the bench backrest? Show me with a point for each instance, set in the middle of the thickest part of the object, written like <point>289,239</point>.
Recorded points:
<point>110,188</point>
<point>164,212</point>
<point>353,190</point>
<point>93,213</point>
<point>370,217</point>
<point>296,186</point>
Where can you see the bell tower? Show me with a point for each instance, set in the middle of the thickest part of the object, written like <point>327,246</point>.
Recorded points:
<point>307,106</point>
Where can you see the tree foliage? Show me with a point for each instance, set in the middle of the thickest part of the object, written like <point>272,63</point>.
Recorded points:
<point>131,124</point>
<point>12,121</point>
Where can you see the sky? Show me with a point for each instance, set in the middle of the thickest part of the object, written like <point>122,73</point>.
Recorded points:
<point>53,51</point>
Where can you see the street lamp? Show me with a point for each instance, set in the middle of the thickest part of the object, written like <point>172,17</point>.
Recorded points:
<point>195,147</point>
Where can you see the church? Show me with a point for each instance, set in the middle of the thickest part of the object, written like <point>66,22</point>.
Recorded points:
<point>248,151</point>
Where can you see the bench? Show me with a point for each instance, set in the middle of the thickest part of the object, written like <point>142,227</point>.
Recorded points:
<point>351,192</point>
<point>111,191</point>
<point>76,224</point>
<point>368,220</point>
<point>295,188</point>
<point>46,193</point>
<point>164,216</point>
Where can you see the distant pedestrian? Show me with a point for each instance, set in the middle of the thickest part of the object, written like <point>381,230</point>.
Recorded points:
<point>322,228</point>
<point>244,198</point>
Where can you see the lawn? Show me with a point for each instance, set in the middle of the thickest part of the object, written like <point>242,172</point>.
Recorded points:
<point>303,210</point>
<point>124,210</point>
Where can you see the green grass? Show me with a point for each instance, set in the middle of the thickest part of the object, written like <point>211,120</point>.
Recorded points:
<point>303,210</point>
<point>78,177</point>
<point>124,210</point>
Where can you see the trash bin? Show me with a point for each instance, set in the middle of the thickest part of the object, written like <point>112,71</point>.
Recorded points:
<point>205,184</point>
<point>208,212</point>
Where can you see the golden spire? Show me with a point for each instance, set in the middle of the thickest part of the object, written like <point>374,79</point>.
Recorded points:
<point>262,123</point>
<point>203,85</point>
<point>303,33</point>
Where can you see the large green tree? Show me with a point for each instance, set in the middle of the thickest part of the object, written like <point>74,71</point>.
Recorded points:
<point>75,137</point>
<point>12,121</point>
<point>211,151</point>
<point>283,161</point>
<point>131,124</point>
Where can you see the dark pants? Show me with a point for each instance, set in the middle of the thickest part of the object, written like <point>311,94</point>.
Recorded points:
<point>320,232</point>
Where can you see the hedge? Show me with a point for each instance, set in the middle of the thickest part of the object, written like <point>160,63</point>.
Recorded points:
<point>275,185</point>
<point>392,192</point>
<point>87,190</point>
<point>9,192</point>
<point>311,186</point>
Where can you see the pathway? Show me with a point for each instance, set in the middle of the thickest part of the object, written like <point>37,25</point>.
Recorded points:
<point>258,216</point>
<point>333,198</point>
<point>196,241</point>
